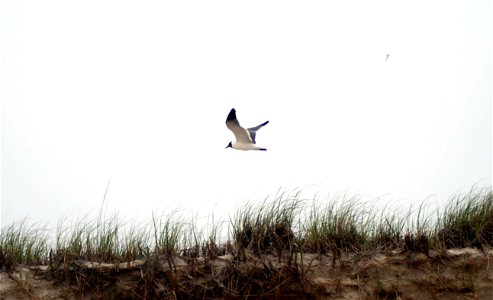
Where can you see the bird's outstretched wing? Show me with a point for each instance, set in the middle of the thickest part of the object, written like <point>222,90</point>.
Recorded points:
<point>241,134</point>
<point>253,130</point>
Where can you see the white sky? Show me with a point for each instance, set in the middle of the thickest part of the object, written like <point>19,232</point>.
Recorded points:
<point>138,91</point>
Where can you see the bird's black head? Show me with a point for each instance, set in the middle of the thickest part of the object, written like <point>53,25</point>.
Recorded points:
<point>229,145</point>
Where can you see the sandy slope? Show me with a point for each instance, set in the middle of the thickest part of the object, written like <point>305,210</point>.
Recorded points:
<point>453,274</point>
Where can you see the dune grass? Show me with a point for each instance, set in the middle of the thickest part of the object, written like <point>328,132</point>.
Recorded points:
<point>466,221</point>
<point>285,227</point>
<point>22,243</point>
<point>277,225</point>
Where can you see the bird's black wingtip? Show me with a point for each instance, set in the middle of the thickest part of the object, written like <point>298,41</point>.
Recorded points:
<point>231,115</point>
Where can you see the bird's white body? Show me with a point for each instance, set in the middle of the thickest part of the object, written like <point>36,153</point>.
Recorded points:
<point>245,138</point>
<point>244,146</point>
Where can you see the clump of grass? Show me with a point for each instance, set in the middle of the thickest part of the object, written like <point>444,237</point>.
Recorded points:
<point>267,227</point>
<point>212,246</point>
<point>418,232</point>
<point>335,226</point>
<point>167,232</point>
<point>388,231</point>
<point>22,243</point>
<point>92,240</point>
<point>134,243</point>
<point>467,221</point>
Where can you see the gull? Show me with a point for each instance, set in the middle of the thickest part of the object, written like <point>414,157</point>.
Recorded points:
<point>245,138</point>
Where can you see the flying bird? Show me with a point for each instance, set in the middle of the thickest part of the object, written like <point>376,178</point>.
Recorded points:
<point>245,138</point>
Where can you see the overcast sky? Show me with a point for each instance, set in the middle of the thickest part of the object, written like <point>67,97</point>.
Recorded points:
<point>138,91</point>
